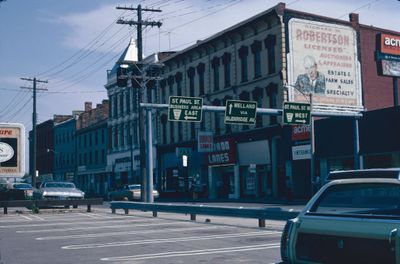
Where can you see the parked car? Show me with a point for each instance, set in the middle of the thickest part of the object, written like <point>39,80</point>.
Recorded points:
<point>20,190</point>
<point>58,191</point>
<point>129,192</point>
<point>354,218</point>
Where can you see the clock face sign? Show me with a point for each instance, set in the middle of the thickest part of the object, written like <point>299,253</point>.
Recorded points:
<point>6,152</point>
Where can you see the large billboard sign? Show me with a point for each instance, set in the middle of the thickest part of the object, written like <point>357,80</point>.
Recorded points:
<point>322,60</point>
<point>389,55</point>
<point>12,150</point>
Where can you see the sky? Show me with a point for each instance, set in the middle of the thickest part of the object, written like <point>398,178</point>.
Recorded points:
<point>71,44</point>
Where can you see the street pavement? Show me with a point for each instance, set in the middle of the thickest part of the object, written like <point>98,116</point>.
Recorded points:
<point>75,236</point>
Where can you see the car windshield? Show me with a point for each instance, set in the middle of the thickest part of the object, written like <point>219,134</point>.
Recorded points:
<point>363,199</point>
<point>59,185</point>
<point>134,187</point>
<point>22,186</point>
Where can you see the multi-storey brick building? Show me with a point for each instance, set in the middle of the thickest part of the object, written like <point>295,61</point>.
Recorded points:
<point>92,144</point>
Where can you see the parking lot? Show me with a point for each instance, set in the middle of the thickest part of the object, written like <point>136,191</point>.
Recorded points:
<point>75,236</point>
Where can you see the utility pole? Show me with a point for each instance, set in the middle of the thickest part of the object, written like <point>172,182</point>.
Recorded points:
<point>147,181</point>
<point>34,119</point>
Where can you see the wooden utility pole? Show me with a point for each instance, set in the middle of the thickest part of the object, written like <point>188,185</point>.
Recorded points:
<point>147,178</point>
<point>34,120</point>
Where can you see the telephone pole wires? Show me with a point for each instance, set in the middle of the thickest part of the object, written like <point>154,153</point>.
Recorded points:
<point>147,177</point>
<point>34,120</point>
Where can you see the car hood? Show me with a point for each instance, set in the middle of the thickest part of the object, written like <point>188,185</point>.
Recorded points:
<point>62,191</point>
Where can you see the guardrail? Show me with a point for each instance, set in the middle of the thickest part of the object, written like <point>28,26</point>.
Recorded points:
<point>258,213</point>
<point>48,203</point>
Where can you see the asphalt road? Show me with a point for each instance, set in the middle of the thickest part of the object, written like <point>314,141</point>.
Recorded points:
<point>74,236</point>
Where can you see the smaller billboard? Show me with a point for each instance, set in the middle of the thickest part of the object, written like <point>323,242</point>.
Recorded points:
<point>390,68</point>
<point>205,141</point>
<point>12,150</point>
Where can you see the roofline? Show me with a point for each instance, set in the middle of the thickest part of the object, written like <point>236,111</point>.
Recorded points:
<point>221,33</point>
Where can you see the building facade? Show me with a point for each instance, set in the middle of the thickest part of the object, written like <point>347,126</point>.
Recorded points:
<point>91,149</point>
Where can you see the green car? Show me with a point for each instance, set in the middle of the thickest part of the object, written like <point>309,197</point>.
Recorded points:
<point>354,218</point>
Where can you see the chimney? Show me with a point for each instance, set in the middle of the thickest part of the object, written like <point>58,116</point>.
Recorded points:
<point>88,106</point>
<point>353,17</point>
<point>280,8</point>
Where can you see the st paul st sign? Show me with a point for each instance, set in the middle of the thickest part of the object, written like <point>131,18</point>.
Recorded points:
<point>186,109</point>
<point>296,113</point>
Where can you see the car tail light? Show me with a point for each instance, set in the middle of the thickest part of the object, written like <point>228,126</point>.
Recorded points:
<point>285,240</point>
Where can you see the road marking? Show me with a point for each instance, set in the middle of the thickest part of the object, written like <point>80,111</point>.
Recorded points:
<point>37,217</point>
<point>117,220</point>
<point>169,240</point>
<point>191,253</point>
<point>24,216</point>
<point>126,233</point>
<point>96,216</point>
<point>91,227</point>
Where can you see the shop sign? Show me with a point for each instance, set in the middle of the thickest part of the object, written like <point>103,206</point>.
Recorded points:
<point>301,152</point>
<point>12,153</point>
<point>301,132</point>
<point>322,60</point>
<point>224,153</point>
<point>390,44</point>
<point>205,141</point>
<point>388,55</point>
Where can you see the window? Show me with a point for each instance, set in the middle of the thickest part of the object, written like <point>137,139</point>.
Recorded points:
<point>243,54</point>
<point>256,50</point>
<point>217,118</point>
<point>272,94</point>
<point>258,97</point>
<point>128,101</point>
<point>178,80</point>
<point>163,84</point>
<point>96,157</point>
<point>270,43</point>
<point>171,85</point>
<point>190,73</point>
<point>226,60</point>
<point>171,132</point>
<point>121,104</point>
<point>200,72</point>
<point>215,66</point>
<point>164,120</point>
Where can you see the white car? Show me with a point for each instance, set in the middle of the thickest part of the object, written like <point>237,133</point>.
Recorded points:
<point>58,191</point>
<point>354,218</point>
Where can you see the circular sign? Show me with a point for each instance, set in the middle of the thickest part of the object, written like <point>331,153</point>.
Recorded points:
<point>6,152</point>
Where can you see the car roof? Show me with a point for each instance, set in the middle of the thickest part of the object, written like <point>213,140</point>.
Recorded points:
<point>387,173</point>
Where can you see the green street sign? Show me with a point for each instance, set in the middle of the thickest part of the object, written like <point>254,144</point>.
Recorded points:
<point>186,109</point>
<point>240,112</point>
<point>296,113</point>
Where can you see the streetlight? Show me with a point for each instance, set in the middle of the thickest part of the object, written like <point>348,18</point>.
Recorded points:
<point>309,98</point>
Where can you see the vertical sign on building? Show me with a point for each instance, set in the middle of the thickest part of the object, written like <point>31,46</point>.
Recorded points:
<point>12,150</point>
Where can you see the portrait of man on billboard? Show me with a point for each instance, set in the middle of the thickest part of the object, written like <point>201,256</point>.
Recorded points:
<point>312,81</point>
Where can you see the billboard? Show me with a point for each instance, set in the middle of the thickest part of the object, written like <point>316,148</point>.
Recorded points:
<point>322,60</point>
<point>12,150</point>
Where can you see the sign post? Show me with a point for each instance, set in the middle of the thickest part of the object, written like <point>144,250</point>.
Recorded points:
<point>185,109</point>
<point>240,112</point>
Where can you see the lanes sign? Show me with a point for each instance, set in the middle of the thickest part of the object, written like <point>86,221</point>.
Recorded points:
<point>240,112</point>
<point>185,109</point>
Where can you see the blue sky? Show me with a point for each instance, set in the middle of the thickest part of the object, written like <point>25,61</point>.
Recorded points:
<point>73,43</point>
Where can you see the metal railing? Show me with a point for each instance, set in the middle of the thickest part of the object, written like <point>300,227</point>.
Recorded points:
<point>48,203</point>
<point>261,214</point>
